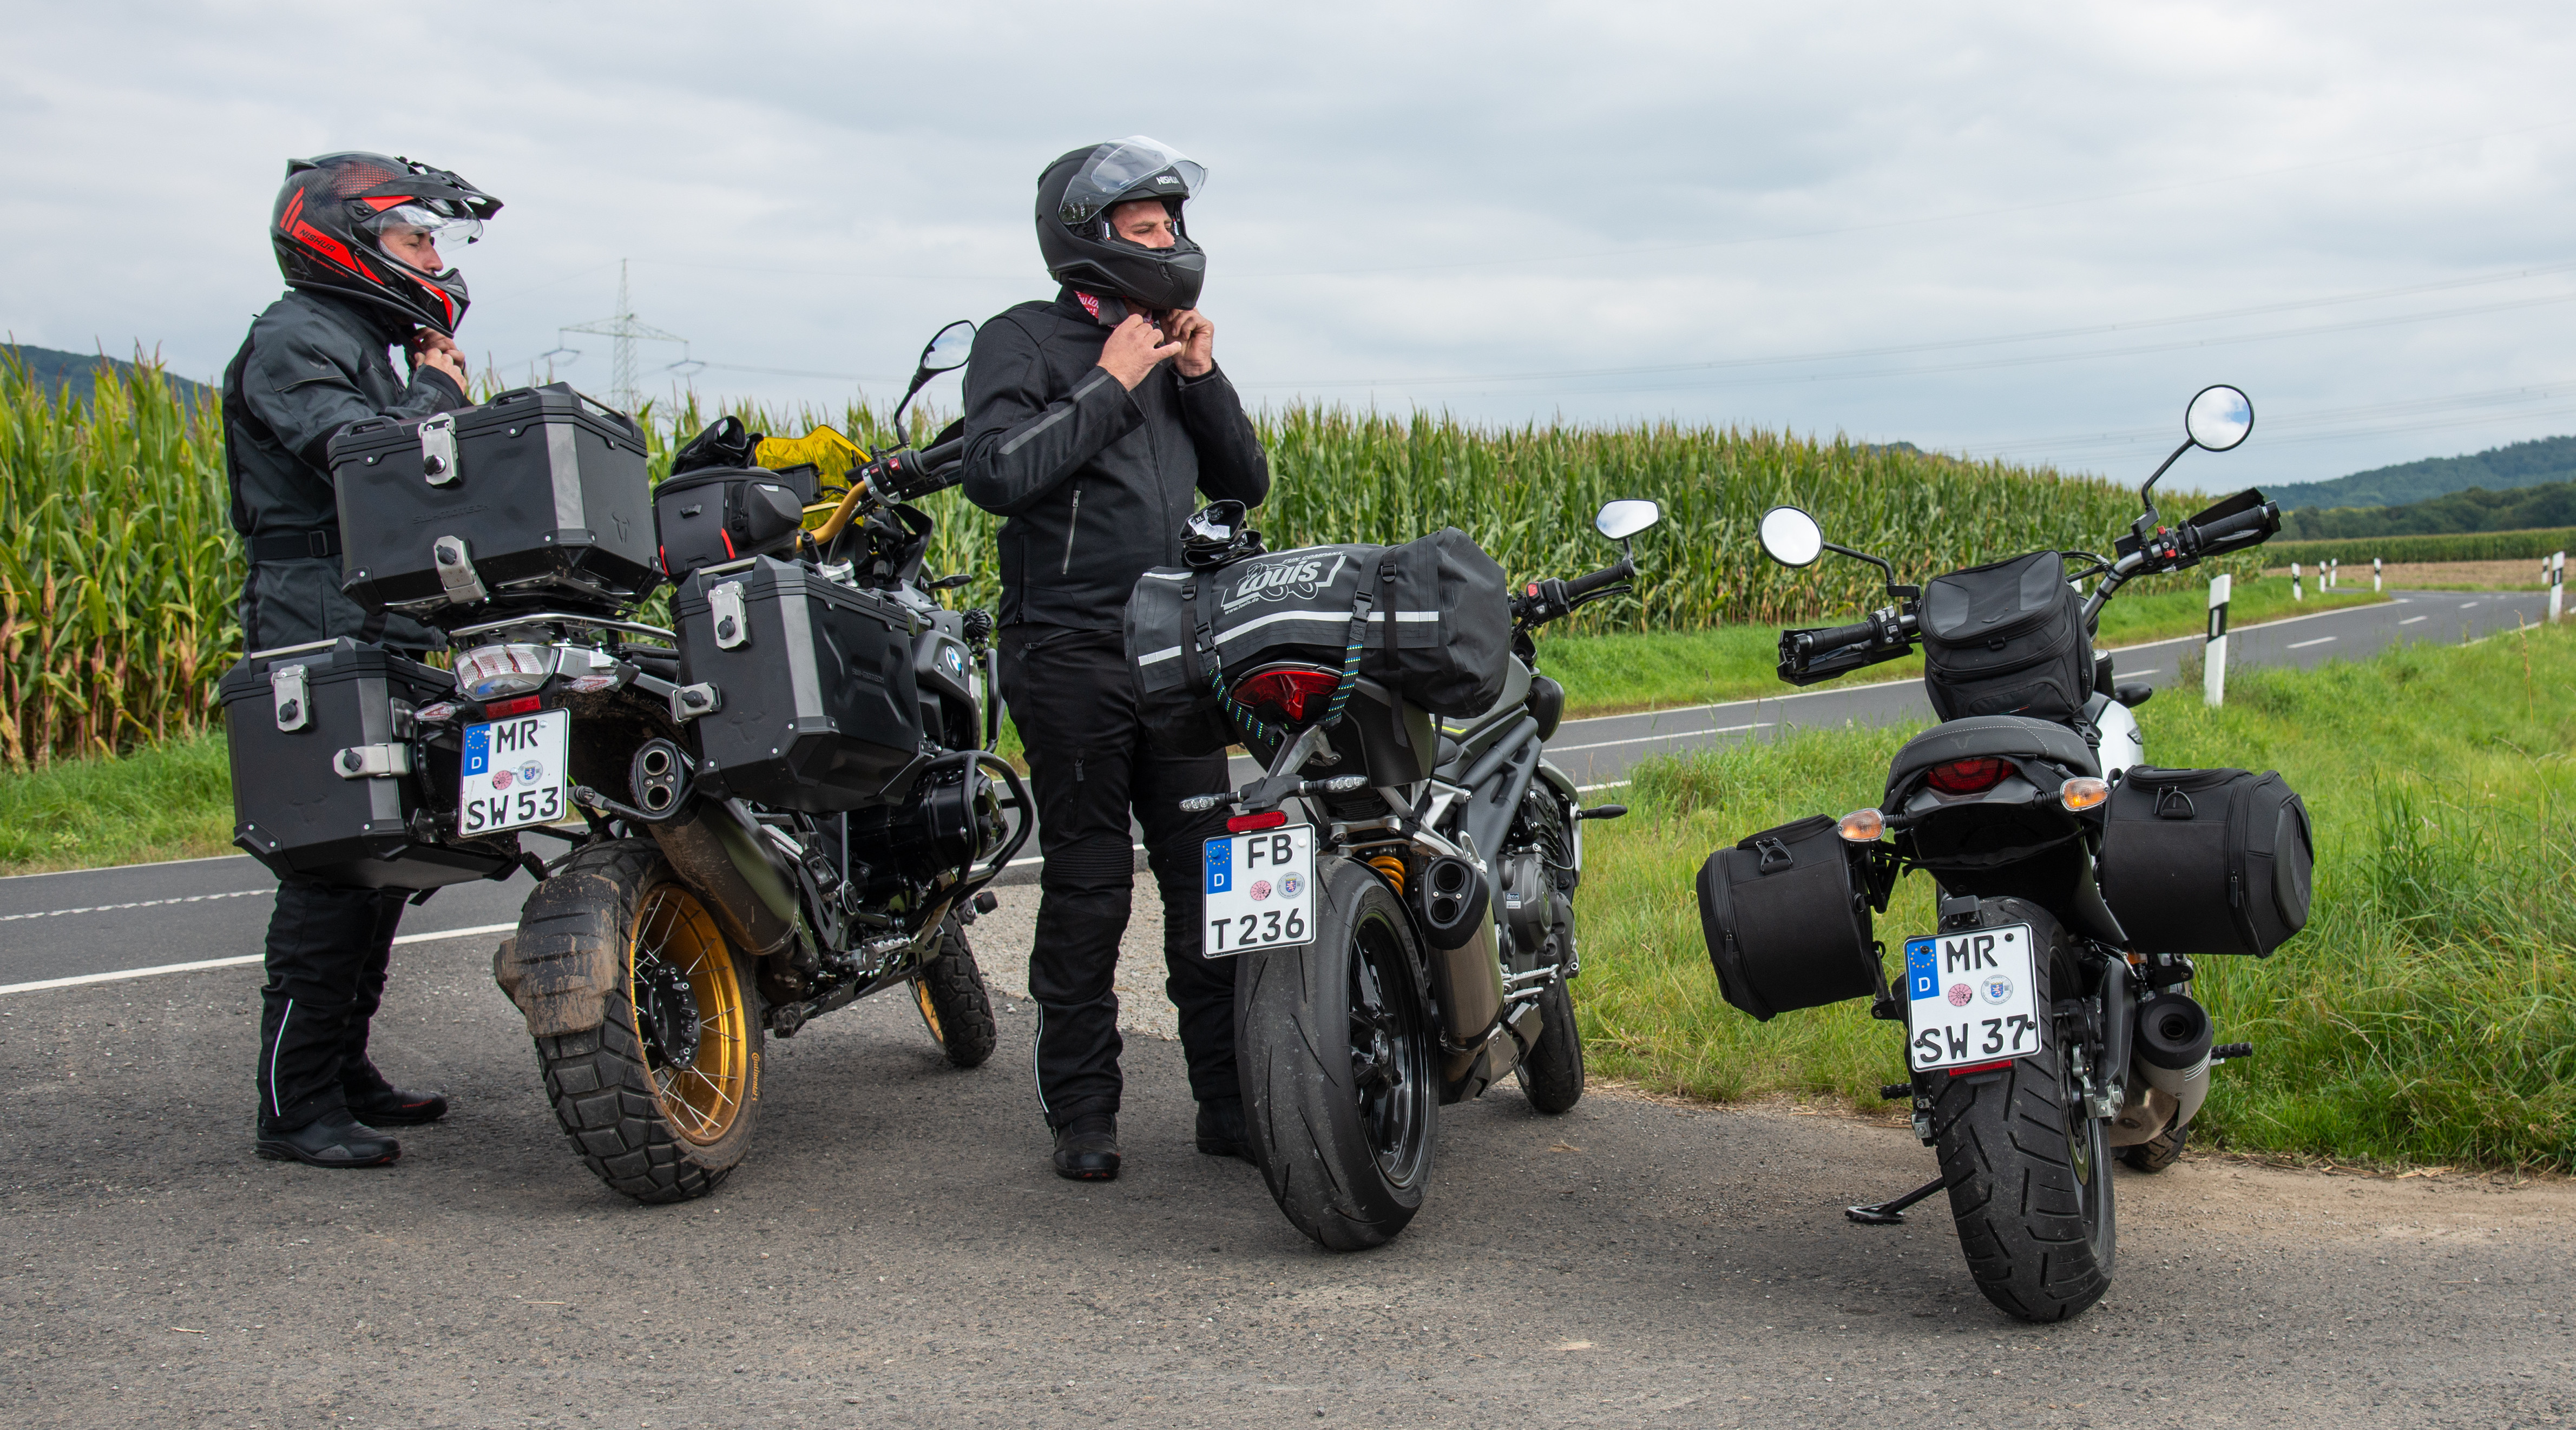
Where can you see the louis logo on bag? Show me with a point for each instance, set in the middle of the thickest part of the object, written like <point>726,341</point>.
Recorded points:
<point>1297,574</point>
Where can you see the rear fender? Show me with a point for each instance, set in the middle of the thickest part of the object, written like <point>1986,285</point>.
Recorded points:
<point>560,964</point>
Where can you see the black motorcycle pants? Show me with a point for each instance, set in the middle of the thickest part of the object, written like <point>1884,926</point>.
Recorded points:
<point>327,951</point>
<point>1092,767</point>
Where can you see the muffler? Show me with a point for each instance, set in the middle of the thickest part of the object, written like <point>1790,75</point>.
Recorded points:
<point>1453,904</point>
<point>725,862</point>
<point>2171,1051</point>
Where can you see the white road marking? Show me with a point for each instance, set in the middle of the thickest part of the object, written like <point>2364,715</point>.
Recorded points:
<point>2410,620</point>
<point>2303,645</point>
<point>2465,605</point>
<point>1649,739</point>
<point>139,904</point>
<point>78,980</point>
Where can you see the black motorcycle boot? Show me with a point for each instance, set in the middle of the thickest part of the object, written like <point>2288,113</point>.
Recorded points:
<point>1086,1148</point>
<point>335,1139</point>
<point>1221,1128</point>
<point>392,1107</point>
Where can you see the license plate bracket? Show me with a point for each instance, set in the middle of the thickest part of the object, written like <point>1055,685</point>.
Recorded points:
<point>1260,891</point>
<point>1970,998</point>
<point>514,773</point>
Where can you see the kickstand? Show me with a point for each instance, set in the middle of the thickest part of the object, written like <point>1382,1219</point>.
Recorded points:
<point>1893,1213</point>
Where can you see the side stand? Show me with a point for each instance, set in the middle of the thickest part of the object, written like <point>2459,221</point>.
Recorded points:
<point>1893,1213</point>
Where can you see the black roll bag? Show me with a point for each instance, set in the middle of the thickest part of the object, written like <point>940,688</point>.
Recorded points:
<point>539,494</point>
<point>1786,916</point>
<point>800,690</point>
<point>330,779</point>
<point>2206,861</point>
<point>1437,626</point>
<point>2007,638</point>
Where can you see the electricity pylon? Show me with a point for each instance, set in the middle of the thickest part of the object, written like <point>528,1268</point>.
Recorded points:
<point>627,331</point>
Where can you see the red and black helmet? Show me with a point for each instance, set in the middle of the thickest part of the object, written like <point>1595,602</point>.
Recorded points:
<point>344,224</point>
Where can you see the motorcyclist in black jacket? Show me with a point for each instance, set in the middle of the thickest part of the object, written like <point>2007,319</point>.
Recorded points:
<point>357,236</point>
<point>1093,423</point>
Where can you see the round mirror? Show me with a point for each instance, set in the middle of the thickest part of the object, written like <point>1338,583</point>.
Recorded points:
<point>948,350</point>
<point>1620,520</point>
<point>1791,537</point>
<point>2219,418</point>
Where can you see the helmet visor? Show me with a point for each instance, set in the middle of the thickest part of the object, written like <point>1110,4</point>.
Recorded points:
<point>1130,168</point>
<point>413,234</point>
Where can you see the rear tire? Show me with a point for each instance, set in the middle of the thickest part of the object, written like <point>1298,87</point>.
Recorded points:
<point>2157,1152</point>
<point>659,1101</point>
<point>2029,1172</point>
<point>1552,1075</point>
<point>954,1004</point>
<point>1335,1047</point>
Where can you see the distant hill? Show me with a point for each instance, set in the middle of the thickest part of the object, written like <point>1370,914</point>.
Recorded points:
<point>2524,464</point>
<point>53,367</point>
<point>2477,509</point>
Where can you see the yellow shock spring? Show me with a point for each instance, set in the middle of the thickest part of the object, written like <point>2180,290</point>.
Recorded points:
<point>1392,867</point>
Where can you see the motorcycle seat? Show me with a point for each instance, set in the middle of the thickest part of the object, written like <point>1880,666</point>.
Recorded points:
<point>1985,735</point>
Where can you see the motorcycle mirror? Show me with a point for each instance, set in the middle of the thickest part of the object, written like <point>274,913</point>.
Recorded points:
<point>1620,520</point>
<point>947,350</point>
<point>2219,418</point>
<point>1791,537</point>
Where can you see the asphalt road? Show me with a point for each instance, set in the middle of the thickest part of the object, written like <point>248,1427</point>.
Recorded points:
<point>102,921</point>
<point>894,1253</point>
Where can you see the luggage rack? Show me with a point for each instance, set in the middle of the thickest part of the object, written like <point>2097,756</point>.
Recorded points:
<point>569,618</point>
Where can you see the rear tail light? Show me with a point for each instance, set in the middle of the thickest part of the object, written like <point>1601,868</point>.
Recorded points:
<point>1969,776</point>
<point>495,671</point>
<point>1286,696</point>
<point>1248,823</point>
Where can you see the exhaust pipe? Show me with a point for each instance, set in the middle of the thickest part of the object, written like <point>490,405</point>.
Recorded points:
<point>2172,1040</point>
<point>751,900</point>
<point>1454,903</point>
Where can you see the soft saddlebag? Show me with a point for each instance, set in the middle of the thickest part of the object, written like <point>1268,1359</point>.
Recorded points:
<point>538,494</point>
<point>329,779</point>
<point>801,690</point>
<point>719,514</point>
<point>1434,615</point>
<point>2206,861</point>
<point>2007,639</point>
<point>1786,916</point>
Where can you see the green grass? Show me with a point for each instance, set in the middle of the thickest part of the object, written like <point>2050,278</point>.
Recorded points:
<point>2447,546</point>
<point>171,801</point>
<point>2427,1014</point>
<point>1660,670</point>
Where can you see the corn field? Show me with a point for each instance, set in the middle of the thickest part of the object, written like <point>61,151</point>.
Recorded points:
<point>120,572</point>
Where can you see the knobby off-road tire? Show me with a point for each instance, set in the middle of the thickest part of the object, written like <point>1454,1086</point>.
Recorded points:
<point>1552,1075</point>
<point>2157,1152</point>
<point>954,1003</point>
<point>2029,1173</point>
<point>1335,1048</point>
<point>660,1110</point>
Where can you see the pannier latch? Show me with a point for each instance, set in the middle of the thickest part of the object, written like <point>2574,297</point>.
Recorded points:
<point>364,762</point>
<point>456,573</point>
<point>691,701</point>
<point>724,607</point>
<point>286,687</point>
<point>1775,854</point>
<point>438,450</point>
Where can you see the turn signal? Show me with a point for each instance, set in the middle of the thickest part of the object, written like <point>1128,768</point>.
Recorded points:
<point>1863,826</point>
<point>1247,823</point>
<point>2083,792</point>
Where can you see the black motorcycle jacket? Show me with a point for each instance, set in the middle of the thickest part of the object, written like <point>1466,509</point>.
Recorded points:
<point>312,365</point>
<point>1096,480</point>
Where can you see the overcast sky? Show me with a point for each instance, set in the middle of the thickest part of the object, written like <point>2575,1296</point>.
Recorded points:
<point>2030,230</point>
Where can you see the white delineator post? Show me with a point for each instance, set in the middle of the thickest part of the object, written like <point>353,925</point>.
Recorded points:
<point>2294,582</point>
<point>2374,575</point>
<point>2557,585</point>
<point>2213,660</point>
<point>2334,569</point>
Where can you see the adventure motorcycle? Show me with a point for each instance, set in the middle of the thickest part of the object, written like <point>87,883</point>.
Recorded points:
<point>2048,1022</point>
<point>1400,890</point>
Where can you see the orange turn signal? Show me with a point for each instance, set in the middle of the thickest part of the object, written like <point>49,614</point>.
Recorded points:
<point>1862,826</point>
<point>2083,792</point>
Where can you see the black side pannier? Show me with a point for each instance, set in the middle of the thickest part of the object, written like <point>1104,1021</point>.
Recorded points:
<point>719,514</point>
<point>1437,623</point>
<point>540,492</point>
<point>2206,861</point>
<point>328,781</point>
<point>800,689</point>
<point>2007,639</point>
<point>1786,916</point>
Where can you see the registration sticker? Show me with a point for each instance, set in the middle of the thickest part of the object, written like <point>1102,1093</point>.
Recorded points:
<point>514,773</point>
<point>1969,998</point>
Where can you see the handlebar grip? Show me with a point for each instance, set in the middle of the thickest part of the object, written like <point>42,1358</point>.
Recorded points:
<point>1832,637</point>
<point>1582,586</point>
<point>2265,519</point>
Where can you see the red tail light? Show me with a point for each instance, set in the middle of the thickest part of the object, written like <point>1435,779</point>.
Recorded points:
<point>1247,823</point>
<point>504,709</point>
<point>1288,696</point>
<point>1969,776</point>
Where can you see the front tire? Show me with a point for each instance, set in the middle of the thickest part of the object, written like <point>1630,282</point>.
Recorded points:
<point>660,1099</point>
<point>954,1004</point>
<point>1335,1048</point>
<point>1552,1075</point>
<point>2029,1171</point>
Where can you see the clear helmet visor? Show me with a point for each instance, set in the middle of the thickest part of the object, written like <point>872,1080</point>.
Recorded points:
<point>1132,168</point>
<point>420,237</point>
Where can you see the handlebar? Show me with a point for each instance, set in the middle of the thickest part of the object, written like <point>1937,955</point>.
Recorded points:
<point>1601,580</point>
<point>1832,636</point>
<point>2259,521</point>
<point>1544,601</point>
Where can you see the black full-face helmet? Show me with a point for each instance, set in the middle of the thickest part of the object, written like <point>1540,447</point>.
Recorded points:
<point>343,221</point>
<point>1075,195</point>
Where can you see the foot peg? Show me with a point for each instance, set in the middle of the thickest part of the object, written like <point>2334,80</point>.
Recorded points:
<point>1893,1213</point>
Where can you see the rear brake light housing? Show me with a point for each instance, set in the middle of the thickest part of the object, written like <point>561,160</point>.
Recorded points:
<point>1971,776</point>
<point>1287,695</point>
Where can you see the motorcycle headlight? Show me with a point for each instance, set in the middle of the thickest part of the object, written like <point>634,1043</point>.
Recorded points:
<point>496,671</point>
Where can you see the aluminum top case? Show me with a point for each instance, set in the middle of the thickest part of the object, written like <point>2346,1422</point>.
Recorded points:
<point>539,496</point>
<point>330,781</point>
<point>801,690</point>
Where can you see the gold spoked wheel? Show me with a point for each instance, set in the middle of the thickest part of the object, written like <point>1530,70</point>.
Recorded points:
<point>690,1014</point>
<point>929,1011</point>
